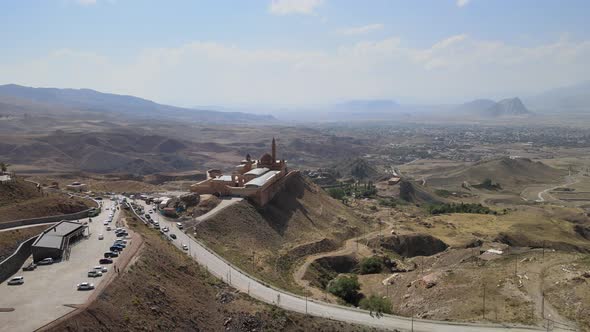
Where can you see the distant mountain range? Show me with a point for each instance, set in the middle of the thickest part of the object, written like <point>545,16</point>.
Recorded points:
<point>570,98</point>
<point>509,107</point>
<point>20,98</point>
<point>369,105</point>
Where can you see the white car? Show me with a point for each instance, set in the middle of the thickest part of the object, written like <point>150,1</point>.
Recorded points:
<point>108,228</point>
<point>165,229</point>
<point>16,281</point>
<point>106,222</point>
<point>100,237</point>
<point>185,247</point>
<point>94,274</point>
<point>101,269</point>
<point>85,286</point>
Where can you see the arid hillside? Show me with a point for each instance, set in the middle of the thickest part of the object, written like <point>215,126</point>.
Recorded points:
<point>22,200</point>
<point>166,291</point>
<point>299,221</point>
<point>506,172</point>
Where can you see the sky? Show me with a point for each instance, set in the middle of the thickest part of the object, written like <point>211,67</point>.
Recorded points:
<point>285,53</point>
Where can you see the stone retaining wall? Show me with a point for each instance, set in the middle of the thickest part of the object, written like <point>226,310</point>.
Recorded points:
<point>12,264</point>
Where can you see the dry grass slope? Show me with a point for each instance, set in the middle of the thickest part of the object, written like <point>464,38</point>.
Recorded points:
<point>266,242</point>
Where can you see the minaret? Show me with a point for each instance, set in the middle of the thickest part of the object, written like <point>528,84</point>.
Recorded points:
<point>274,151</point>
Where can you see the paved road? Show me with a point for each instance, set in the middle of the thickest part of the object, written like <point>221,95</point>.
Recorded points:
<point>49,288</point>
<point>243,282</point>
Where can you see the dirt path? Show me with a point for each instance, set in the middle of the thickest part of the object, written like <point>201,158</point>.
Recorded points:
<point>351,246</point>
<point>534,288</point>
<point>570,180</point>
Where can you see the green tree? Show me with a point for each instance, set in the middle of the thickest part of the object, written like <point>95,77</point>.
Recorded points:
<point>377,305</point>
<point>370,265</point>
<point>337,193</point>
<point>3,166</point>
<point>346,288</point>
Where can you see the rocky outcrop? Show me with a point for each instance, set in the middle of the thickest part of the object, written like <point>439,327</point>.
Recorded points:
<point>190,199</point>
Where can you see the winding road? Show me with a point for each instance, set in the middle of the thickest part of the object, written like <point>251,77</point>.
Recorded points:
<point>255,288</point>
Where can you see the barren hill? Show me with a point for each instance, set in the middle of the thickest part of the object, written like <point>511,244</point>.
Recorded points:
<point>19,99</point>
<point>299,221</point>
<point>357,168</point>
<point>21,200</point>
<point>508,172</point>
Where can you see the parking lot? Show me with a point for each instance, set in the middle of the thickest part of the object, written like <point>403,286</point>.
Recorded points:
<point>48,290</point>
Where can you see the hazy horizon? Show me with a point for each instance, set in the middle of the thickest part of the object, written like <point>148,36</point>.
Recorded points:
<point>287,53</point>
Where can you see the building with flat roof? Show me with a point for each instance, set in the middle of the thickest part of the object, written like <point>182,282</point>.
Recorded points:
<point>55,241</point>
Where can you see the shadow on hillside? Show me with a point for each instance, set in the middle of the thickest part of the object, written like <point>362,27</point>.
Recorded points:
<point>280,210</point>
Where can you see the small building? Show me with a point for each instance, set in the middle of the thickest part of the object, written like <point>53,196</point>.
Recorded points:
<point>77,187</point>
<point>54,242</point>
<point>393,180</point>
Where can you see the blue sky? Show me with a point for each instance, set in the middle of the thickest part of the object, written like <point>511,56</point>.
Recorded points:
<point>296,52</point>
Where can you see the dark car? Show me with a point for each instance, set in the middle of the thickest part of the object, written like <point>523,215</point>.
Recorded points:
<point>105,261</point>
<point>116,248</point>
<point>173,236</point>
<point>30,267</point>
<point>111,254</point>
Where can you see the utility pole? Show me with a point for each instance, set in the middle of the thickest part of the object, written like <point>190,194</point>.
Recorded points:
<point>543,257</point>
<point>484,300</point>
<point>516,265</point>
<point>306,301</point>
<point>542,304</point>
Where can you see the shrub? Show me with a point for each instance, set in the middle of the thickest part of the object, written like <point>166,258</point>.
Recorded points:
<point>459,208</point>
<point>370,265</point>
<point>346,288</point>
<point>337,193</point>
<point>377,305</point>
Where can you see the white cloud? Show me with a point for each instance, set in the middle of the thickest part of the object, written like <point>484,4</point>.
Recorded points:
<point>86,2</point>
<point>284,7</point>
<point>361,29</point>
<point>462,3</point>
<point>205,73</point>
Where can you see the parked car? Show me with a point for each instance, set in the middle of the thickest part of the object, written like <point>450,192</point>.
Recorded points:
<point>165,229</point>
<point>16,281</point>
<point>94,274</point>
<point>121,241</point>
<point>105,261</point>
<point>85,286</point>
<point>30,267</point>
<point>179,225</point>
<point>45,261</point>
<point>106,222</point>
<point>101,269</point>
<point>115,248</point>
<point>184,247</point>
<point>173,236</point>
<point>108,228</point>
<point>111,254</point>
<point>100,237</point>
